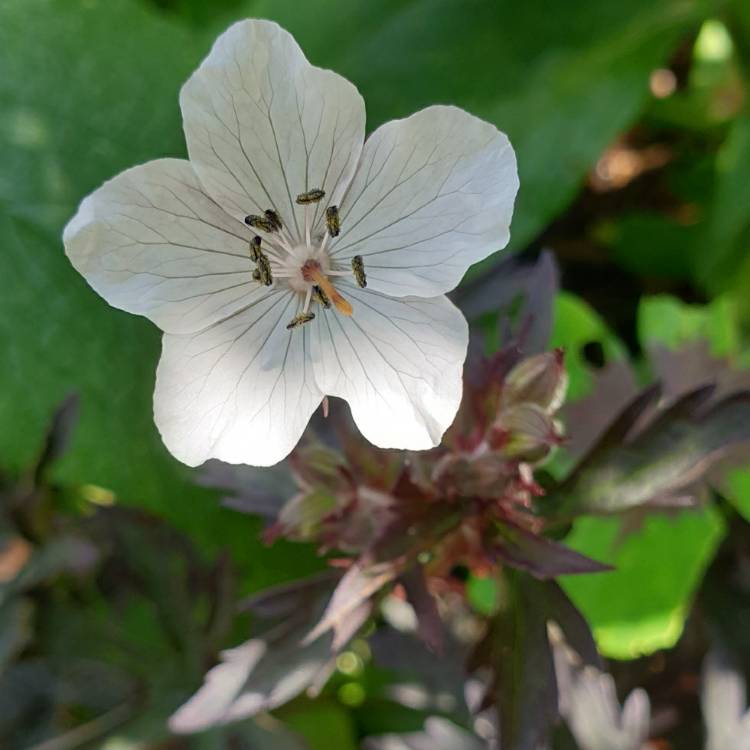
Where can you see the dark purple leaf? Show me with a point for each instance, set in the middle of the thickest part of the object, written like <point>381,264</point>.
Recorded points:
<point>58,435</point>
<point>517,653</point>
<point>257,676</point>
<point>357,586</point>
<point>68,554</point>
<point>623,423</point>
<point>260,492</point>
<point>500,289</point>
<point>288,598</point>
<point>542,557</point>
<point>429,623</point>
<point>524,687</point>
<point>558,608</point>
<point>254,503</point>
<point>673,452</point>
<point>587,419</point>
<point>685,369</point>
<point>269,670</point>
<point>15,628</point>
<point>440,680</point>
<point>344,631</point>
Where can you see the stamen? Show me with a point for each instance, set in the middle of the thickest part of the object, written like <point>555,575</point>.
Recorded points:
<point>358,268</point>
<point>333,223</point>
<point>299,320</point>
<point>279,242</point>
<point>308,297</point>
<point>260,222</point>
<point>273,218</point>
<point>321,297</point>
<point>311,196</point>
<point>311,272</point>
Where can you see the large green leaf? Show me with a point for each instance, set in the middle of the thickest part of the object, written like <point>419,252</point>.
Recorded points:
<point>561,84</point>
<point>641,605</point>
<point>728,224</point>
<point>672,323</point>
<point>93,93</point>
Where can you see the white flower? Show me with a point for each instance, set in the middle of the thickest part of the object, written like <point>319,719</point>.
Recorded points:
<point>417,203</point>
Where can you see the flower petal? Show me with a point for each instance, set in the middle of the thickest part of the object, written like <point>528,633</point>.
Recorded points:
<point>263,125</point>
<point>398,362</point>
<point>241,391</point>
<point>151,242</point>
<point>432,195</point>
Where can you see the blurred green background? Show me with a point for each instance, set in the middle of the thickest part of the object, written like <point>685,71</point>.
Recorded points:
<point>632,129</point>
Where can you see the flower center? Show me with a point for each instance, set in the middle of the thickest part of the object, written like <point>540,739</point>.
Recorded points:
<point>305,266</point>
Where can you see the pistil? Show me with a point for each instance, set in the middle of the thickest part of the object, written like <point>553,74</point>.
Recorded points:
<point>311,272</point>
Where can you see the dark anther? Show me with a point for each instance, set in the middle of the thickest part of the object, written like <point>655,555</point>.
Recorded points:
<point>272,218</point>
<point>300,319</point>
<point>358,267</point>
<point>332,221</point>
<point>321,297</point>
<point>264,268</point>
<point>259,222</point>
<point>311,196</point>
<point>255,251</point>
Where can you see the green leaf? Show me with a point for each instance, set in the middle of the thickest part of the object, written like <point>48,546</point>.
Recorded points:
<point>728,221</point>
<point>319,722</point>
<point>737,489</point>
<point>669,321</point>
<point>576,326</point>
<point>641,606</point>
<point>64,129</point>
<point>653,245</point>
<point>482,593</point>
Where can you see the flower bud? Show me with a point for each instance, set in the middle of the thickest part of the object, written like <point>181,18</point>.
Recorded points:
<point>524,432</point>
<point>540,380</point>
<point>302,516</point>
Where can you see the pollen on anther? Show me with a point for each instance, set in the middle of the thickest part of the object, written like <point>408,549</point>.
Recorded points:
<point>311,196</point>
<point>259,222</point>
<point>299,320</point>
<point>321,297</point>
<point>273,218</point>
<point>358,268</point>
<point>333,223</point>
<point>264,269</point>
